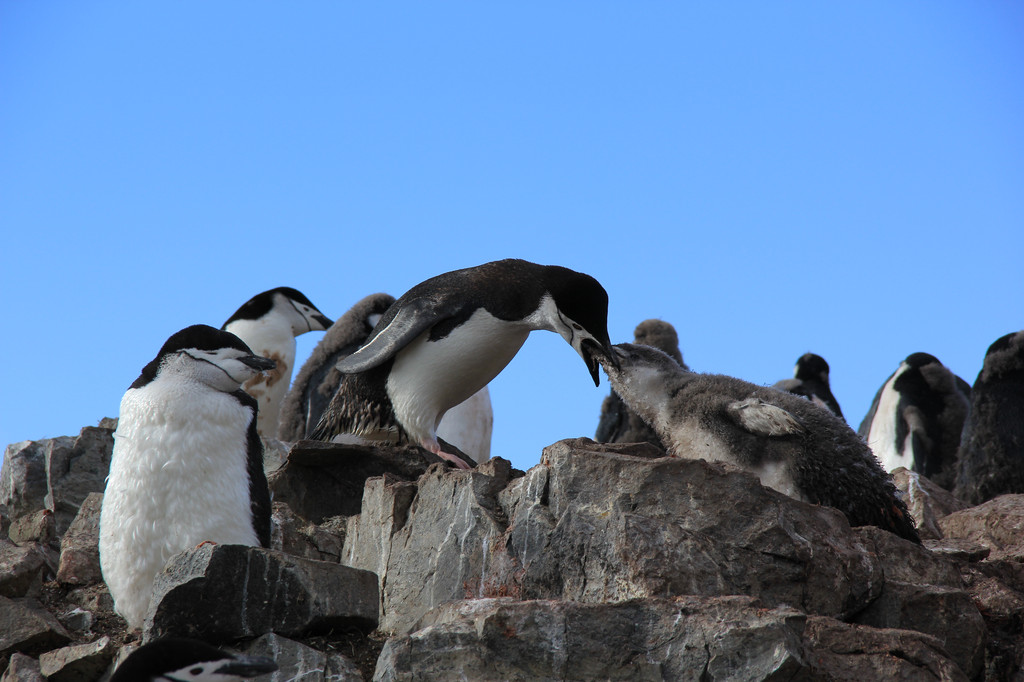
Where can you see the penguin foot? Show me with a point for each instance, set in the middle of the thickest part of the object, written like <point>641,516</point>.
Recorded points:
<point>435,447</point>
<point>205,542</point>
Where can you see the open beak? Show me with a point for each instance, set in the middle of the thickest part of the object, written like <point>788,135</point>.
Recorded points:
<point>247,666</point>
<point>592,354</point>
<point>258,363</point>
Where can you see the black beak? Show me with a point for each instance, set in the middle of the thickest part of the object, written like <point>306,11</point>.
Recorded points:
<point>248,666</point>
<point>324,320</point>
<point>592,355</point>
<point>256,362</point>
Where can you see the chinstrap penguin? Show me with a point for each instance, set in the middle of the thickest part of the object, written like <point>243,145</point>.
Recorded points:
<point>447,337</point>
<point>810,380</point>
<point>791,444</point>
<point>187,464</point>
<point>268,323</point>
<point>177,659</point>
<point>916,418</point>
<point>991,458</point>
<point>619,424</point>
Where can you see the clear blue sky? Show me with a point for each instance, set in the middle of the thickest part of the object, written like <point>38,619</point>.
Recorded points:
<point>771,178</point>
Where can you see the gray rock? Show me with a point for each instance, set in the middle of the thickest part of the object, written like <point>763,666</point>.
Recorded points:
<point>79,548</point>
<point>28,628</point>
<point>997,524</point>
<point>275,454</point>
<point>296,661</point>
<point>23,484</point>
<point>294,535</point>
<point>219,593</point>
<point>321,480</point>
<point>78,663</point>
<point>24,568</point>
<point>22,669</point>
<point>926,501</point>
<point>37,527</point>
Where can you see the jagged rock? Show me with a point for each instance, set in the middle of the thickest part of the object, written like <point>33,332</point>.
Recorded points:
<point>684,638</point>
<point>997,588</point>
<point>24,568</point>
<point>37,527</point>
<point>294,535</point>
<point>275,454</point>
<point>28,628</point>
<point>79,548</point>
<point>997,524</point>
<point>954,548</point>
<point>926,501</point>
<point>77,620</point>
<point>296,661</point>
<point>321,480</point>
<point>22,669</point>
<point>219,593</point>
<point>78,663</point>
<point>595,526</point>
<point>55,474</point>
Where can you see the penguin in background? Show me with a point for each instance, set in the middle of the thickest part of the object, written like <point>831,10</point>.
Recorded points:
<point>810,380</point>
<point>447,337</point>
<point>792,445</point>
<point>619,424</point>
<point>177,659</point>
<point>187,463</point>
<point>916,418</point>
<point>991,457</point>
<point>268,323</point>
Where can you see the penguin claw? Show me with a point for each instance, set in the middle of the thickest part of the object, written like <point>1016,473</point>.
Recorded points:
<point>453,459</point>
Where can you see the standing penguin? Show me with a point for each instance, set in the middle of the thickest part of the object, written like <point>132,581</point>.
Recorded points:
<point>916,418</point>
<point>619,424</point>
<point>791,444</point>
<point>447,337</point>
<point>991,458</point>
<point>177,659</point>
<point>810,380</point>
<point>268,323</point>
<point>187,464</point>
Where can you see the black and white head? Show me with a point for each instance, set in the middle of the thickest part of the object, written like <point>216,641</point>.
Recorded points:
<point>187,660</point>
<point>577,308</point>
<point>643,376</point>
<point>811,367</point>
<point>201,353</point>
<point>286,302</point>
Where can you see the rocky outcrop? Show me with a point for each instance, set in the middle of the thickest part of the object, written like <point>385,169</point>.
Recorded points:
<point>604,561</point>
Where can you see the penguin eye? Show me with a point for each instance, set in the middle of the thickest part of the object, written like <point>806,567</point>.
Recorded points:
<point>196,671</point>
<point>577,327</point>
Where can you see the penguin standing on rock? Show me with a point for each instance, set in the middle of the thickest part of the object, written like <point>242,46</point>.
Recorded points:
<point>810,380</point>
<point>790,444</point>
<point>916,418</point>
<point>177,659</point>
<point>187,464</point>
<point>447,337</point>
<point>991,458</point>
<point>268,323</point>
<point>619,424</point>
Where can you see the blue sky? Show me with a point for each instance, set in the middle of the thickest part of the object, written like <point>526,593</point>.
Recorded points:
<point>771,178</point>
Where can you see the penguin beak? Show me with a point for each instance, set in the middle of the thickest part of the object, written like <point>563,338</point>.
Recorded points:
<point>257,363</point>
<point>592,354</point>
<point>324,321</point>
<point>247,666</point>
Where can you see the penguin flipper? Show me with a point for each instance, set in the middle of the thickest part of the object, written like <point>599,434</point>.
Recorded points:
<point>763,419</point>
<point>412,319</point>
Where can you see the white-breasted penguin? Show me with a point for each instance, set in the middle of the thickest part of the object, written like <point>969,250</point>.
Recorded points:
<point>187,464</point>
<point>916,418</point>
<point>619,424</point>
<point>268,323</point>
<point>178,659</point>
<point>790,444</point>
<point>991,458</point>
<point>447,337</point>
<point>810,380</point>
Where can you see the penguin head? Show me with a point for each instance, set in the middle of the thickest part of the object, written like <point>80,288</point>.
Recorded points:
<point>1004,358</point>
<point>290,304</point>
<point>810,366</point>
<point>210,356</point>
<point>639,374</point>
<point>580,315</point>
<point>180,660</point>
<point>661,335</point>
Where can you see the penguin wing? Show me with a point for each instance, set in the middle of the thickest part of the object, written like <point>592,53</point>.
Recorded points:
<point>411,320</point>
<point>763,419</point>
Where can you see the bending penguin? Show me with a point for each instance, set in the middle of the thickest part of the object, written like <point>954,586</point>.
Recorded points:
<point>187,464</point>
<point>916,418</point>
<point>791,444</point>
<point>618,423</point>
<point>991,458</point>
<point>447,337</point>
<point>810,380</point>
<point>177,659</point>
<point>268,323</point>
